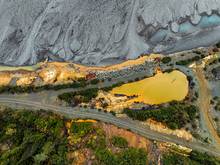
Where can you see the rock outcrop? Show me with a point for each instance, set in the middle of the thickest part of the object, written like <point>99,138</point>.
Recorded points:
<point>99,32</point>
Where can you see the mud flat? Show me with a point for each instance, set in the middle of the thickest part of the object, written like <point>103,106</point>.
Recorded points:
<point>26,68</point>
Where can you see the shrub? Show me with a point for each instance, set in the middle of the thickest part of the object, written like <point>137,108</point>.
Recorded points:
<point>94,81</point>
<point>37,138</point>
<point>79,97</point>
<point>188,61</point>
<point>119,142</point>
<point>29,89</point>
<point>81,129</point>
<point>166,60</point>
<point>218,45</point>
<point>175,116</point>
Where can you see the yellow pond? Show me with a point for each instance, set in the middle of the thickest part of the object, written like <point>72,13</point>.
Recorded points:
<point>162,88</point>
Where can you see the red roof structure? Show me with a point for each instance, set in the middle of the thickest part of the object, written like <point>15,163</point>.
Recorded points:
<point>90,76</point>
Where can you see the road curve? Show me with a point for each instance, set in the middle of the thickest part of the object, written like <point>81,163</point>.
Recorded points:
<point>108,118</point>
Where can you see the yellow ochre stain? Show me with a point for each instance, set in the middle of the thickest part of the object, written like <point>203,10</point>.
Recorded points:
<point>161,88</point>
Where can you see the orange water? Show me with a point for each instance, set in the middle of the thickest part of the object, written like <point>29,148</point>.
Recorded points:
<point>162,88</point>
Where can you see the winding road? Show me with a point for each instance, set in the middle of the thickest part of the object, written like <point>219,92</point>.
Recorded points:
<point>45,100</point>
<point>108,118</point>
<point>204,104</point>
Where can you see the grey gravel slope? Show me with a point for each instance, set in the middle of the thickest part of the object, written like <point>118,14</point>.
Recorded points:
<point>97,32</point>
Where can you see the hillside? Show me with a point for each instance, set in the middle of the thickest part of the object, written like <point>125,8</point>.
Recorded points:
<point>101,32</point>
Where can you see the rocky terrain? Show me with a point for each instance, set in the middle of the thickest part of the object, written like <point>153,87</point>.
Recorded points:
<point>48,73</point>
<point>216,73</point>
<point>100,32</point>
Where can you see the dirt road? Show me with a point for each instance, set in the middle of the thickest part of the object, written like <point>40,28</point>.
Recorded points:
<point>204,104</point>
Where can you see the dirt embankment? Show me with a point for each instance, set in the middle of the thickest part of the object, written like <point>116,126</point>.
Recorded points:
<point>154,149</point>
<point>160,127</point>
<point>48,73</point>
<point>60,72</point>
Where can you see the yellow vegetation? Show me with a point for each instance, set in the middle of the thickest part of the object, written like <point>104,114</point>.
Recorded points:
<point>86,121</point>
